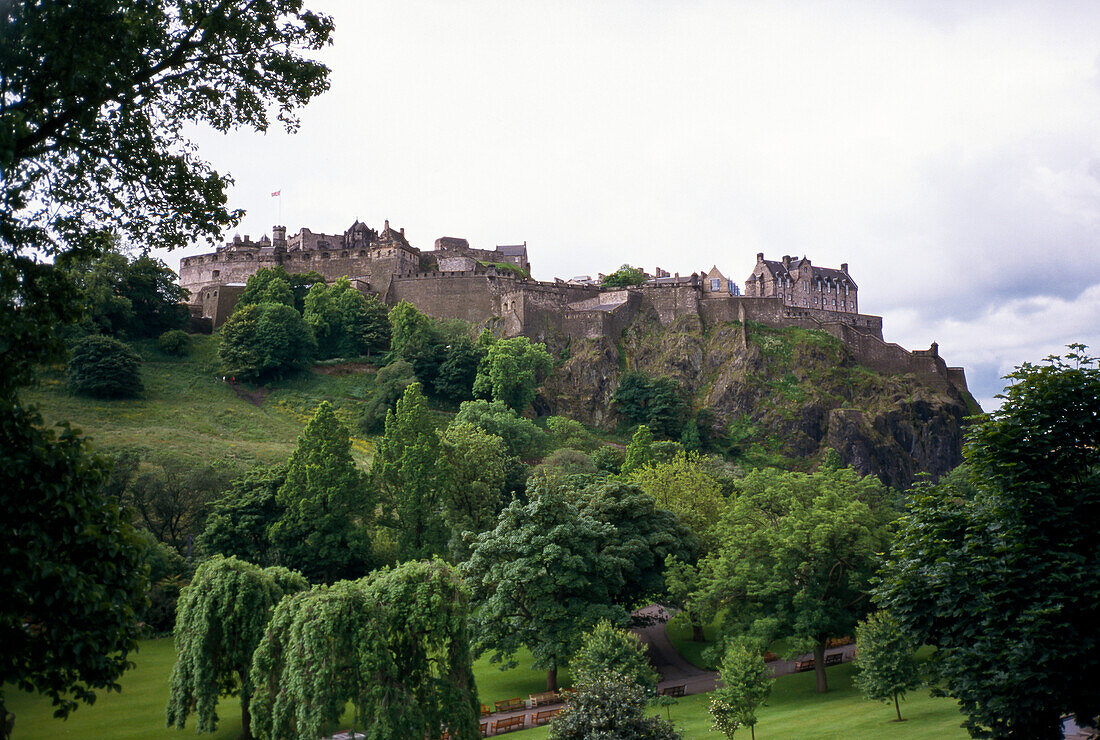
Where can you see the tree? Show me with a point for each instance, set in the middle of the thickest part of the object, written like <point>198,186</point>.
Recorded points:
<point>611,708</point>
<point>326,507</point>
<point>639,453</point>
<point>72,569</point>
<point>263,341</point>
<point>566,432</point>
<point>511,371</point>
<point>475,462</point>
<point>103,367</point>
<point>540,579</point>
<point>795,556</point>
<point>389,385</point>
<point>239,521</point>
<point>608,649</point>
<point>175,342</point>
<point>625,277</point>
<point>885,660</point>
<point>746,681</point>
<point>521,437</point>
<point>686,488</point>
<point>458,372</point>
<point>395,645</point>
<point>171,502</point>
<point>996,567</point>
<point>417,339</point>
<point>658,403</point>
<point>344,322</point>
<point>410,482</point>
<point>220,620</point>
<point>126,297</point>
<point>268,285</point>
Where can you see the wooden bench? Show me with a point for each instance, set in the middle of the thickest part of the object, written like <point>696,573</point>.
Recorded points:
<point>769,656</point>
<point>507,725</point>
<point>673,690</point>
<point>485,711</point>
<point>546,697</point>
<point>509,705</point>
<point>485,729</point>
<point>544,716</point>
<point>804,665</point>
<point>834,659</point>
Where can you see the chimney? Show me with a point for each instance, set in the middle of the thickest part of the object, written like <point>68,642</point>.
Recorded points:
<point>759,257</point>
<point>844,267</point>
<point>402,231</point>
<point>387,224</point>
<point>247,239</point>
<point>786,260</point>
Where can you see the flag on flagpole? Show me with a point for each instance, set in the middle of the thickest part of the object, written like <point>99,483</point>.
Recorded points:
<point>277,193</point>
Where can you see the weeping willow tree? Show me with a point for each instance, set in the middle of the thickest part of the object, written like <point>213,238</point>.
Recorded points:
<point>394,645</point>
<point>220,619</point>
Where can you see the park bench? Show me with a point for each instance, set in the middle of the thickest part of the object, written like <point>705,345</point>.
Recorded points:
<point>833,659</point>
<point>804,665</point>
<point>769,656</point>
<point>546,697</point>
<point>543,716</point>
<point>511,723</point>
<point>677,690</point>
<point>508,705</point>
<point>485,711</point>
<point>833,642</point>
<point>485,729</point>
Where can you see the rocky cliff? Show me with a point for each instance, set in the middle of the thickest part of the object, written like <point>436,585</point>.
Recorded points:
<point>792,392</point>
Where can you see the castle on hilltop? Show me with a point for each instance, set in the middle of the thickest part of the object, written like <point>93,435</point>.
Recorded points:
<point>494,288</point>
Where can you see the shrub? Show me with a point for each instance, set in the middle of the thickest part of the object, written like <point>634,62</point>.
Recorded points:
<point>521,436</point>
<point>174,342</point>
<point>104,368</point>
<point>609,459</point>
<point>265,340</point>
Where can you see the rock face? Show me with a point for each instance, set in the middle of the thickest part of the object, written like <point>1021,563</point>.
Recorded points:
<point>792,392</point>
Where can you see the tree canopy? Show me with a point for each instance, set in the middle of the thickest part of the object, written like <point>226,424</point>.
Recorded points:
<point>624,277</point>
<point>745,682</point>
<point>607,649</point>
<point>345,322</point>
<point>609,707</point>
<point>263,341</point>
<point>885,660</point>
<point>659,403</point>
<point>511,371</point>
<point>521,437</point>
<point>103,367</point>
<point>239,521</point>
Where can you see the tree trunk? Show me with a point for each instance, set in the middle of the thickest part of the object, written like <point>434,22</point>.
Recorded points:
<point>246,709</point>
<point>897,707</point>
<point>696,628</point>
<point>552,679</point>
<point>819,668</point>
<point>752,729</point>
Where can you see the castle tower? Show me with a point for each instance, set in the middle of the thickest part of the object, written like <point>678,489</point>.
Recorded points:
<point>278,236</point>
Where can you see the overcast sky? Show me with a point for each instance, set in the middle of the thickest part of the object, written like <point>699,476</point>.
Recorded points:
<point>948,151</point>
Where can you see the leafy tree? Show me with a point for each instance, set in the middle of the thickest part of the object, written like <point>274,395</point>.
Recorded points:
<point>395,645</point>
<point>567,462</point>
<point>128,298</point>
<point>103,367</point>
<point>690,439</point>
<point>72,570</point>
<point>168,574</point>
<point>511,371</point>
<point>565,432</point>
<point>239,522</point>
<point>687,488</point>
<point>609,459</point>
<point>885,660</point>
<point>609,707</point>
<point>276,285</point>
<point>608,649</point>
<point>997,568</point>
<point>658,403</point>
<point>263,341</point>
<point>458,372</point>
<point>540,579</point>
<point>795,556</point>
<point>174,342</point>
<point>171,502</point>
<point>326,507</point>
<point>417,339</point>
<point>475,462</point>
<point>746,681</point>
<point>521,437</point>
<point>344,322</point>
<point>410,482</point>
<point>220,620</point>
<point>639,453</point>
<point>389,385</point>
<point>624,277</point>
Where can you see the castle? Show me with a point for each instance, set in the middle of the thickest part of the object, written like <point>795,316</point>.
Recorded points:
<point>493,287</point>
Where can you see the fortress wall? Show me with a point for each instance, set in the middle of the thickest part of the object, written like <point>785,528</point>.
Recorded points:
<point>460,295</point>
<point>957,376</point>
<point>670,301</point>
<point>218,302</point>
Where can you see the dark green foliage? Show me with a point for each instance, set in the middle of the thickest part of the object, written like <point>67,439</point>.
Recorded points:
<point>521,437</point>
<point>345,322</point>
<point>263,341</point>
<point>610,708</point>
<point>409,480</point>
<point>475,462</point>
<point>239,521</point>
<point>394,645</point>
<point>997,567</point>
<point>168,573</point>
<point>566,432</point>
<point>389,385</point>
<point>624,277</point>
<point>322,530</point>
<point>659,403</point>
<point>885,660</point>
<point>511,371</point>
<point>608,649</point>
<point>455,381</point>
<point>566,462</point>
<point>418,340</point>
<point>268,285</point>
<point>689,438</point>
<point>221,618</point>
<point>174,342</point>
<point>73,568</point>
<point>103,367</point>
<point>608,459</point>
<point>128,298</point>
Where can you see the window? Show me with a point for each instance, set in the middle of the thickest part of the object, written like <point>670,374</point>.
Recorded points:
<point>715,285</point>
<point>216,273</point>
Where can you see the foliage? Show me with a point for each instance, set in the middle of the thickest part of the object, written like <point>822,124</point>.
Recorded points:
<point>540,579</point>
<point>475,463</point>
<point>666,450</point>
<point>103,367</point>
<point>458,371</point>
<point>276,285</point>
<point>174,342</point>
<point>511,371</point>
<point>239,521</point>
<point>322,530</point>
<point>410,483</point>
<point>128,298</point>
<point>220,620</point>
<point>73,569</point>
<point>997,568</point>
<point>265,340</point>
<point>624,277</point>
<point>389,385</point>
<point>611,708</point>
<point>685,487</point>
<point>795,556</point>
<point>568,463</point>
<point>608,649</point>
<point>521,437</point>
<point>746,681</point>
<point>395,645</point>
<point>418,340</point>
<point>659,403</point>
<point>345,323</point>
<point>608,459</point>
<point>566,432</point>
<point>885,659</point>
<point>639,453</point>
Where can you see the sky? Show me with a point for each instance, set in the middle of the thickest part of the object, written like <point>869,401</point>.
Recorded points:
<point>948,151</point>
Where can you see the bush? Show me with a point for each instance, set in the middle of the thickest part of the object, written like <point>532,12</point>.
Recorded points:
<point>522,438</point>
<point>567,432</point>
<point>263,341</point>
<point>104,368</point>
<point>174,342</point>
<point>609,459</point>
